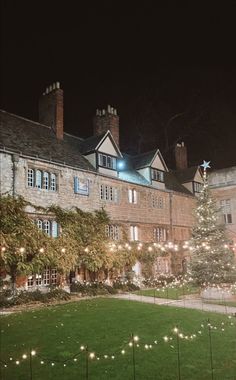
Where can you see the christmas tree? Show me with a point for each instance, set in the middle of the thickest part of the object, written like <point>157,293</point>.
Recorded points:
<point>212,259</point>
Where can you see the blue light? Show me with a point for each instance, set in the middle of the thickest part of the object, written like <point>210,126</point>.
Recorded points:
<point>120,165</point>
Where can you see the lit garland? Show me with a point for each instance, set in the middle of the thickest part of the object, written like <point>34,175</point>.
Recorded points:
<point>125,347</point>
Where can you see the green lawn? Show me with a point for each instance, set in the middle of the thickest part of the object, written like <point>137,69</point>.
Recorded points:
<point>105,325</point>
<point>169,292</point>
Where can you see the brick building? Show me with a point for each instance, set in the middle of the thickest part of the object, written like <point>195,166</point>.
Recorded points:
<point>46,165</point>
<point>223,186</point>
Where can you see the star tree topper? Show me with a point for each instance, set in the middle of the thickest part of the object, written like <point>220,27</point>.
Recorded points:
<point>206,165</point>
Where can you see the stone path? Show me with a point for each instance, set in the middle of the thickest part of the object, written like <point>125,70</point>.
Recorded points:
<point>193,303</point>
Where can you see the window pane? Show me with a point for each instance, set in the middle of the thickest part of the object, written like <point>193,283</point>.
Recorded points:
<point>30,178</point>
<point>30,281</point>
<point>40,224</point>
<point>46,227</point>
<point>38,180</point>
<point>53,276</point>
<point>53,183</point>
<point>54,228</point>
<point>46,277</point>
<point>45,180</point>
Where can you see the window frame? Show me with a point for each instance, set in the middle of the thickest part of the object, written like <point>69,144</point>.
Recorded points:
<point>107,161</point>
<point>157,175</point>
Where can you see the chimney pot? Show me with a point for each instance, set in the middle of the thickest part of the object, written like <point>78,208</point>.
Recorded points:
<point>181,156</point>
<point>51,109</point>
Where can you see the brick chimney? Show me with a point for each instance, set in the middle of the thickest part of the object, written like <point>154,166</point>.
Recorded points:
<point>107,120</point>
<point>51,109</point>
<point>181,156</point>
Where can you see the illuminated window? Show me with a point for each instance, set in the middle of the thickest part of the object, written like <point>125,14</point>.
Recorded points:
<point>133,233</point>
<point>132,196</point>
<point>38,179</point>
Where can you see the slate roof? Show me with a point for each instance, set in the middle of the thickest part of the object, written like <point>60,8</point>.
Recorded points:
<point>133,176</point>
<point>30,138</point>
<point>172,183</point>
<point>186,175</point>
<point>89,144</point>
<point>33,139</point>
<point>143,160</point>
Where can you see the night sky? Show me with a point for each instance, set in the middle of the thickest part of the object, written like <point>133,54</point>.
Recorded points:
<point>168,69</point>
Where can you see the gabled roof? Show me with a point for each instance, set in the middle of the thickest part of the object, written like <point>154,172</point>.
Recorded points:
<point>91,144</point>
<point>23,136</point>
<point>146,159</point>
<point>172,183</point>
<point>186,175</point>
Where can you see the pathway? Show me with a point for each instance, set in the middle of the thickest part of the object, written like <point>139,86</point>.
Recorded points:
<point>193,303</point>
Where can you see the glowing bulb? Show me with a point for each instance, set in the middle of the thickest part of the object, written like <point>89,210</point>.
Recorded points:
<point>24,356</point>
<point>92,355</point>
<point>41,250</point>
<point>33,353</point>
<point>63,250</point>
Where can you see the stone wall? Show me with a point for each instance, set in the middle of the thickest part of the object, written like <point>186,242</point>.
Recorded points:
<point>177,218</point>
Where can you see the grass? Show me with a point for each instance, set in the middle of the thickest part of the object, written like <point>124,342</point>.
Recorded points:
<point>169,292</point>
<point>105,325</point>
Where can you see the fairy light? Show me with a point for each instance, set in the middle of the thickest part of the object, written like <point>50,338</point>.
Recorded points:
<point>82,348</point>
<point>3,249</point>
<point>33,353</point>
<point>92,355</point>
<point>122,352</point>
<point>24,356</point>
<point>63,250</point>
<point>22,250</point>
<point>17,362</point>
<point>136,338</point>
<point>41,250</point>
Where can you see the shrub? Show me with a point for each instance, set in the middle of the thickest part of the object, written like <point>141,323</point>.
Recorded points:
<point>8,299</point>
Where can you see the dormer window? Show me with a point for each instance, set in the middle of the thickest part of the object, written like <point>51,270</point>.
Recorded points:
<point>107,161</point>
<point>197,187</point>
<point>157,175</point>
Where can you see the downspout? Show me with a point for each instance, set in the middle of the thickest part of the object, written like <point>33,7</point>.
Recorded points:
<point>15,160</point>
<point>171,217</point>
